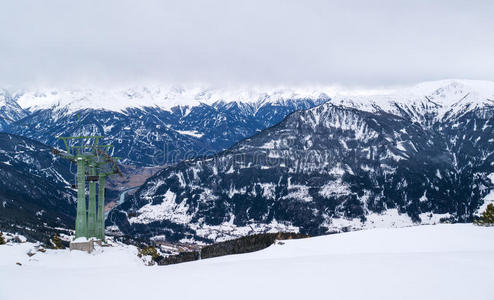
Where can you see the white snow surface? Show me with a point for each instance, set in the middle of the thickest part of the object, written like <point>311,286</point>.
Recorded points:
<point>193,133</point>
<point>423,262</point>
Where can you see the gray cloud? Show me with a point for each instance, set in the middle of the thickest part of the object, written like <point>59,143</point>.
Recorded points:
<point>366,43</point>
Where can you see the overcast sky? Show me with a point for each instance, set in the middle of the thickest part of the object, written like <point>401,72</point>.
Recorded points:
<point>355,43</point>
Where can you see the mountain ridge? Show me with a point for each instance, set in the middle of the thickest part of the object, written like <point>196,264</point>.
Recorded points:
<point>164,98</point>
<point>151,136</point>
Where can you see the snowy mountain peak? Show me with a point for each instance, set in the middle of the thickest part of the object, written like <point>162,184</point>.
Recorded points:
<point>444,93</point>
<point>161,97</point>
<point>483,87</point>
<point>10,110</point>
<point>6,99</point>
<point>443,98</point>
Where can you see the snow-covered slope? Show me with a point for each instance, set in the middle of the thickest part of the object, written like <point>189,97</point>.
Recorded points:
<point>426,262</point>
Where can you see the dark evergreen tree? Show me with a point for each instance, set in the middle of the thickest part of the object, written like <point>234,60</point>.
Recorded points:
<point>57,242</point>
<point>488,215</point>
<point>2,239</point>
<point>149,250</point>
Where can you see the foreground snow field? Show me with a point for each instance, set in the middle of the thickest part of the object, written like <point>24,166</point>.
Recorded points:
<point>426,262</point>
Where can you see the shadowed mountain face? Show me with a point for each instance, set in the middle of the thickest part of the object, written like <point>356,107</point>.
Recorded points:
<point>35,191</point>
<point>418,157</point>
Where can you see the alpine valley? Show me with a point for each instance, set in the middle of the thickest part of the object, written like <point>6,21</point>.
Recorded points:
<point>420,155</point>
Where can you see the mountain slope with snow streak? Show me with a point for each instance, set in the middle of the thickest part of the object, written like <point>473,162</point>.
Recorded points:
<point>35,188</point>
<point>424,262</point>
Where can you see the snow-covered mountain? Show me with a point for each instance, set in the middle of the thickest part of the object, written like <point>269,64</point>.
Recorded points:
<point>35,187</point>
<point>157,126</point>
<point>443,99</point>
<point>418,155</point>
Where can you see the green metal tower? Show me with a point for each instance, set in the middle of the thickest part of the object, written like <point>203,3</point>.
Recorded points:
<point>94,164</point>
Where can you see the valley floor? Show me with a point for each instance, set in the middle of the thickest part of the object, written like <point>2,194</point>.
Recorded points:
<point>424,262</point>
